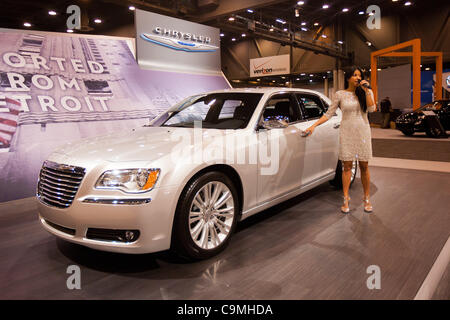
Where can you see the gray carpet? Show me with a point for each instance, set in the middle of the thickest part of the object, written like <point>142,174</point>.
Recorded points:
<point>412,149</point>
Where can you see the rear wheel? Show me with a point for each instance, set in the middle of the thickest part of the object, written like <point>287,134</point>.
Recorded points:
<point>432,132</point>
<point>206,217</point>
<point>337,181</point>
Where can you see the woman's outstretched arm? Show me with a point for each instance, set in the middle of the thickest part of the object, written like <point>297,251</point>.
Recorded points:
<point>331,111</point>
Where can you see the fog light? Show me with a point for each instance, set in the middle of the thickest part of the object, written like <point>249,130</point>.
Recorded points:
<point>129,236</point>
<point>113,235</point>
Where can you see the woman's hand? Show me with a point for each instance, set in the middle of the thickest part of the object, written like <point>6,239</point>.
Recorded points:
<point>309,131</point>
<point>366,89</point>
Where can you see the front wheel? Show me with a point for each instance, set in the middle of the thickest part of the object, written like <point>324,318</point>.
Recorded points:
<point>206,216</point>
<point>337,181</point>
<point>408,131</point>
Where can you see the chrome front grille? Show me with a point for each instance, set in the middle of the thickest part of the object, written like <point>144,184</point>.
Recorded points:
<point>58,184</point>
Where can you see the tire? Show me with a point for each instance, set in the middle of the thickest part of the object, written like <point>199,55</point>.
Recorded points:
<point>209,231</point>
<point>337,181</point>
<point>408,132</point>
<point>432,132</point>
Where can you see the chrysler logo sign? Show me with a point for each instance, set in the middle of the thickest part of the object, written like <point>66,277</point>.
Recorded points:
<point>178,40</point>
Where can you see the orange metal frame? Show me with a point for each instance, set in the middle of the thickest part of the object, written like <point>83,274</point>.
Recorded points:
<point>416,54</point>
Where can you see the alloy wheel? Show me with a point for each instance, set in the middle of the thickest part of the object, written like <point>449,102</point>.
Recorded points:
<point>211,215</point>
<point>353,171</point>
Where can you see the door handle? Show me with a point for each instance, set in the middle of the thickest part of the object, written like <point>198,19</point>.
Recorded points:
<point>336,125</point>
<point>304,133</point>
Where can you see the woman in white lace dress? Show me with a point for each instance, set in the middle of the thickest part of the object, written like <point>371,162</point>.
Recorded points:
<point>355,141</point>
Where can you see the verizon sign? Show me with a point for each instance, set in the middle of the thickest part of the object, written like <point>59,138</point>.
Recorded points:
<point>269,66</point>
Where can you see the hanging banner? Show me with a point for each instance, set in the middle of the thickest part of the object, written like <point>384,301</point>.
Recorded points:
<point>57,88</point>
<point>270,66</point>
<point>170,44</point>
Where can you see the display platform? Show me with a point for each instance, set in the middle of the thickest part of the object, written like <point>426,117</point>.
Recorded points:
<point>301,249</point>
<point>391,143</point>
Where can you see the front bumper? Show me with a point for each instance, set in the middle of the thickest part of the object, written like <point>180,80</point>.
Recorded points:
<point>153,220</point>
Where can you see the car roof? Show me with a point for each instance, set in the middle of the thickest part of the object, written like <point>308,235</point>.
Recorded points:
<point>269,90</point>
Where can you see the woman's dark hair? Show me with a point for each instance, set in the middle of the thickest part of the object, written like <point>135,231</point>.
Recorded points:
<point>360,93</point>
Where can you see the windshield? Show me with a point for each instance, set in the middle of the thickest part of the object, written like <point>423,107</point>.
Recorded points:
<point>217,111</point>
<point>436,105</point>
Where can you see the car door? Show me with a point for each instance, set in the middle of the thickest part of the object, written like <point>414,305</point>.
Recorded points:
<point>321,148</point>
<point>279,150</point>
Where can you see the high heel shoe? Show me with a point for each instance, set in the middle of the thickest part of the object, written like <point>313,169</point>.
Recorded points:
<point>346,206</point>
<point>367,206</point>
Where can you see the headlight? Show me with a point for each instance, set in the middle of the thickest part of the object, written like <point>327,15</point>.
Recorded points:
<point>128,180</point>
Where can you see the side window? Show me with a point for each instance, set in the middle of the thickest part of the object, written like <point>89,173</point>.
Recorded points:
<point>311,105</point>
<point>281,107</point>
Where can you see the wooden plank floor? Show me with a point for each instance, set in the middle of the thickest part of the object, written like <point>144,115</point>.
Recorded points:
<point>301,249</point>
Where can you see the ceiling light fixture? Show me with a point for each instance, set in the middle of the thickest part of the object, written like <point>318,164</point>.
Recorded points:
<point>361,12</point>
<point>222,34</point>
<point>324,36</point>
<point>243,35</point>
<point>233,39</point>
<point>131,8</point>
<point>52,13</point>
<point>316,24</point>
<point>408,3</point>
<point>249,10</point>
<point>27,24</point>
<point>231,19</point>
<point>297,13</point>
<point>300,3</point>
<point>345,10</point>
<point>325,6</point>
<point>69,30</point>
<point>98,20</point>
<point>340,42</point>
<point>304,29</point>
<point>280,21</point>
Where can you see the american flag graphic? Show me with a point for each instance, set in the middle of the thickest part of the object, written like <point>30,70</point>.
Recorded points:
<point>8,120</point>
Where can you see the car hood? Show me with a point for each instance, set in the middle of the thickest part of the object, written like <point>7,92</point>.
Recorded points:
<point>407,115</point>
<point>142,144</point>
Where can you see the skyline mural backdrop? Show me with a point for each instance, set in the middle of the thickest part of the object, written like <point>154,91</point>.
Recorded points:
<point>71,87</point>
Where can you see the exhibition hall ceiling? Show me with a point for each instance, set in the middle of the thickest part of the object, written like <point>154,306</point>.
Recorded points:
<point>104,16</point>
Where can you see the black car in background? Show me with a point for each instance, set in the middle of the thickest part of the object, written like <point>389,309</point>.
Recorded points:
<point>411,122</point>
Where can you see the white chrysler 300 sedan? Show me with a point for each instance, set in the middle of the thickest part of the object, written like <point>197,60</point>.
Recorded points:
<point>183,181</point>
